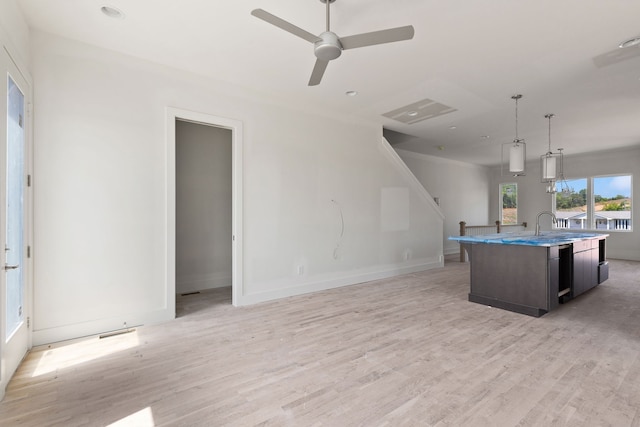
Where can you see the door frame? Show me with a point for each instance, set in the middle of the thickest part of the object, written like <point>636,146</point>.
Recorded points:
<point>10,357</point>
<point>235,126</point>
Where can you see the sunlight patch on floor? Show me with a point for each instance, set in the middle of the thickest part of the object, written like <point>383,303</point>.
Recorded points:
<point>83,351</point>
<point>142,418</point>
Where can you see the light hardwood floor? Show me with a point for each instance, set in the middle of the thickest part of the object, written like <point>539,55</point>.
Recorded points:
<point>400,352</point>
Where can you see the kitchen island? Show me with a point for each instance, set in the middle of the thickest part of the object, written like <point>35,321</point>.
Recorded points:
<point>532,274</point>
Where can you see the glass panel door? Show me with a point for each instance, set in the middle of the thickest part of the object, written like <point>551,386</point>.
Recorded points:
<point>14,209</point>
<point>15,218</point>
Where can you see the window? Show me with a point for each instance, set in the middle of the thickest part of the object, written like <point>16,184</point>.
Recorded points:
<point>509,211</point>
<point>612,202</point>
<point>571,204</point>
<point>600,203</point>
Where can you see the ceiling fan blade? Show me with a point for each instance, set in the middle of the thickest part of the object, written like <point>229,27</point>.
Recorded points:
<point>281,23</point>
<point>318,72</point>
<point>377,37</point>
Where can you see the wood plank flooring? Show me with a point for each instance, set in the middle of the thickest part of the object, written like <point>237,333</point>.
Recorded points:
<point>400,352</point>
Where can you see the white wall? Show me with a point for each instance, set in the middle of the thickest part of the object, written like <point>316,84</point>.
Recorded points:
<point>313,189</point>
<point>13,50</point>
<point>14,32</point>
<point>203,207</point>
<point>463,190</point>
<point>532,198</point>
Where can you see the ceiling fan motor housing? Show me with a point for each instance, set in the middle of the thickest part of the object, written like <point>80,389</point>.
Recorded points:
<point>329,47</point>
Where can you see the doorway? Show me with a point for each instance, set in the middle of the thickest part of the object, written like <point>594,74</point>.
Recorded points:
<point>203,207</point>
<point>193,273</point>
<point>15,220</point>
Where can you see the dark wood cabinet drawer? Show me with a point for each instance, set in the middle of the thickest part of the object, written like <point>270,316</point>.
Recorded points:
<point>582,245</point>
<point>603,272</point>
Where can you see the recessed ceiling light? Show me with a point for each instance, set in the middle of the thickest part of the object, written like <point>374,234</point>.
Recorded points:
<point>412,113</point>
<point>112,12</point>
<point>351,93</point>
<point>484,136</point>
<point>629,43</point>
<point>453,127</point>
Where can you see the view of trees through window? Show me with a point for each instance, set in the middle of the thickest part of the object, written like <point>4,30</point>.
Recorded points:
<point>609,209</point>
<point>509,211</point>
<point>575,200</point>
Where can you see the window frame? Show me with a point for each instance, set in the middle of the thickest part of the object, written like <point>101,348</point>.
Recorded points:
<point>591,220</point>
<point>501,202</point>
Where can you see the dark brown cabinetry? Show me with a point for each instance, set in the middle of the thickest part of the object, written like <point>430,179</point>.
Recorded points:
<point>585,266</point>
<point>534,279</point>
<point>590,266</point>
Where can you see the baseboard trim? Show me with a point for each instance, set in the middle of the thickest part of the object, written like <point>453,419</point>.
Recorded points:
<point>294,286</point>
<point>452,251</point>
<point>186,285</point>
<point>100,326</point>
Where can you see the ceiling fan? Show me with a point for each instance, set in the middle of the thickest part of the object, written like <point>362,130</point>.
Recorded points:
<point>328,45</point>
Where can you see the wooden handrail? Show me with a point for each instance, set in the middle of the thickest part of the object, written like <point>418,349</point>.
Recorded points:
<point>497,227</point>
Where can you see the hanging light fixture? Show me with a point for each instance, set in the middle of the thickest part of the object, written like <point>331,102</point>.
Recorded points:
<point>562,183</point>
<point>517,150</point>
<point>551,164</point>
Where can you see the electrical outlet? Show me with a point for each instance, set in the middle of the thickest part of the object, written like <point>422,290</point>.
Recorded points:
<point>300,270</point>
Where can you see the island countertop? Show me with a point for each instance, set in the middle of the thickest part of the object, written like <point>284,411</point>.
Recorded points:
<point>528,238</point>
<point>532,274</point>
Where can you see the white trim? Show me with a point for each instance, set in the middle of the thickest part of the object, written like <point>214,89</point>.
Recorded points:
<point>421,156</point>
<point>402,167</point>
<point>290,287</point>
<point>23,338</point>
<point>451,250</point>
<point>85,329</point>
<point>236,196</point>
<point>195,283</point>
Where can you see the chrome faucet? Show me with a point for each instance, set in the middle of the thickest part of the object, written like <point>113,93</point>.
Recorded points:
<point>553,218</point>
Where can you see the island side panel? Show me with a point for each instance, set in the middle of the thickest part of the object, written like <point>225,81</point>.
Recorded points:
<point>513,277</point>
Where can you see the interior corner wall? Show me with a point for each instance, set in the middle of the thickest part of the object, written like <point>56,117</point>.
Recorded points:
<point>14,32</point>
<point>313,187</point>
<point>533,199</point>
<point>461,188</point>
<point>203,207</point>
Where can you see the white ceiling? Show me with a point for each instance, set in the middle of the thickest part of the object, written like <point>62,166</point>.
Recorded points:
<point>561,55</point>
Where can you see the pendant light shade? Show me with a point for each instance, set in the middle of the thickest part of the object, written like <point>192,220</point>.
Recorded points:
<point>517,151</point>
<point>548,167</point>
<point>551,164</point>
<point>516,158</point>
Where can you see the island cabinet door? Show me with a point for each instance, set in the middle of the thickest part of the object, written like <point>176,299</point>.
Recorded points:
<point>580,270</point>
<point>554,278</point>
<point>585,267</point>
<point>510,276</point>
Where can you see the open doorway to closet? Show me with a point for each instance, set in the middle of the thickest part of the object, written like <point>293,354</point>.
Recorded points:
<point>204,206</point>
<point>203,210</point>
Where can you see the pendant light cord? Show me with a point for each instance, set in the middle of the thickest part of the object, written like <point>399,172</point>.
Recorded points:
<point>549,116</point>
<point>517,139</point>
<point>516,97</point>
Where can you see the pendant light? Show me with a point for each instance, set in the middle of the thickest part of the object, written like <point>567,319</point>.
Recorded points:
<point>551,164</point>
<point>562,182</point>
<point>517,151</point>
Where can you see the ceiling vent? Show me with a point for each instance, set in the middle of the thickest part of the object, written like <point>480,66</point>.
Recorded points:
<point>419,111</point>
